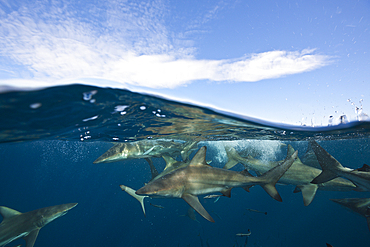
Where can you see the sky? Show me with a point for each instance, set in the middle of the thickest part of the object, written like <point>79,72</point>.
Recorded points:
<point>294,62</point>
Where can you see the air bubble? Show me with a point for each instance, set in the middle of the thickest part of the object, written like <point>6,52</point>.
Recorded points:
<point>88,95</point>
<point>35,105</point>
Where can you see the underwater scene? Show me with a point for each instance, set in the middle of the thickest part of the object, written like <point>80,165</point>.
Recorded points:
<point>137,170</point>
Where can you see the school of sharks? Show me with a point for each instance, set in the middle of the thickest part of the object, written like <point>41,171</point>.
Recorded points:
<point>187,178</point>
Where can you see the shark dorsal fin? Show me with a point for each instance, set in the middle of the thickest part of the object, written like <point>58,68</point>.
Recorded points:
<point>245,172</point>
<point>169,161</point>
<point>364,168</point>
<point>291,152</point>
<point>199,158</point>
<point>8,212</point>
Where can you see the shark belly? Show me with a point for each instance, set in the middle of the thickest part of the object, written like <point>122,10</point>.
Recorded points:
<point>5,241</point>
<point>202,188</point>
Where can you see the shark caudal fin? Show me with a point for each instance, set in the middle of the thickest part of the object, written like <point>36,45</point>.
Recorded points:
<point>132,193</point>
<point>272,176</point>
<point>329,165</point>
<point>188,148</point>
<point>233,158</point>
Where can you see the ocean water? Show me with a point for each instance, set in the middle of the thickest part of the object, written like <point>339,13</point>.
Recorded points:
<point>50,138</point>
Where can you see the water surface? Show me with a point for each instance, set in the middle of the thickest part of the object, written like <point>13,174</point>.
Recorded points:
<point>50,138</point>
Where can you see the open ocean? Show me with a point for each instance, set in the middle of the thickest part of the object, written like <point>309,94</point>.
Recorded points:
<point>49,139</point>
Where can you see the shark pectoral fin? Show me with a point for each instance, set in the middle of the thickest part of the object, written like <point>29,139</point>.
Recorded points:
<point>153,170</point>
<point>230,164</point>
<point>31,238</point>
<point>308,192</point>
<point>271,190</point>
<point>193,201</point>
<point>147,152</point>
<point>324,176</point>
<point>226,192</point>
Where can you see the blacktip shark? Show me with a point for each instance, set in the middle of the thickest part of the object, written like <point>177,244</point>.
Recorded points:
<point>299,174</point>
<point>357,205</point>
<point>17,225</point>
<point>147,149</point>
<point>200,178</point>
<point>332,169</point>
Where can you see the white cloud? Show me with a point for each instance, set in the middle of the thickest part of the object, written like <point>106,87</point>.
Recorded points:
<point>128,43</point>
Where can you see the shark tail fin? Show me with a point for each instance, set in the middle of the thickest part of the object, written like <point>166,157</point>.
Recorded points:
<point>132,193</point>
<point>272,176</point>
<point>234,158</point>
<point>187,149</point>
<point>329,165</point>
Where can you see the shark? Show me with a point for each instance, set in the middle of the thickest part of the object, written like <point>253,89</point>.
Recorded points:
<point>357,205</point>
<point>147,149</point>
<point>200,178</point>
<point>299,174</point>
<point>331,169</point>
<point>191,214</point>
<point>17,225</point>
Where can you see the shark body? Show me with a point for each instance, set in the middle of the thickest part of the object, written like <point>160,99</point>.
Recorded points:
<point>17,225</point>
<point>146,149</point>
<point>299,174</point>
<point>200,178</point>
<point>332,169</point>
<point>357,205</point>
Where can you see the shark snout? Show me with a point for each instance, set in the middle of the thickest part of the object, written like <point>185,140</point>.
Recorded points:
<point>141,191</point>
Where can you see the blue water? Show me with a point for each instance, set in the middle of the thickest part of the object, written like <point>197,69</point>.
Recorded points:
<point>47,155</point>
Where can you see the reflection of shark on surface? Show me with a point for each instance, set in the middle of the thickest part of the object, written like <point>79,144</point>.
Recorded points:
<point>17,225</point>
<point>332,169</point>
<point>146,149</point>
<point>298,174</point>
<point>200,178</point>
<point>357,205</point>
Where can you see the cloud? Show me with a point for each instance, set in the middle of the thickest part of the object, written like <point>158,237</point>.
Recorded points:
<point>125,42</point>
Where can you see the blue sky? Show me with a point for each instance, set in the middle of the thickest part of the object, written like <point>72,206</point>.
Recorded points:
<point>296,62</point>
